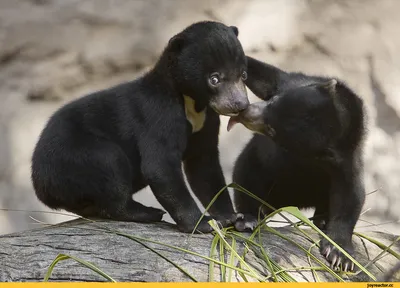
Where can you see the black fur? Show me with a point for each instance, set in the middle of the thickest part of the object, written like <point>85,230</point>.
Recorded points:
<point>97,151</point>
<point>312,155</point>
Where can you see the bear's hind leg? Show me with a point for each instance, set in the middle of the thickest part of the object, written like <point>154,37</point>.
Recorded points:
<point>129,210</point>
<point>101,181</point>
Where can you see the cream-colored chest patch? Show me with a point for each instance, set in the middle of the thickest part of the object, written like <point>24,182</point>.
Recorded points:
<point>195,118</point>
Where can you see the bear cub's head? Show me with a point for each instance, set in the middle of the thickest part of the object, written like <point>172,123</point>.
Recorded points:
<point>299,119</point>
<point>308,115</point>
<point>207,63</point>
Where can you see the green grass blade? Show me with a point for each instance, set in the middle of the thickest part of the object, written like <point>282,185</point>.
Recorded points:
<point>209,205</point>
<point>296,213</point>
<point>231,260</point>
<point>273,265</point>
<point>132,237</point>
<point>105,229</point>
<point>245,191</point>
<point>257,231</point>
<point>270,229</point>
<point>213,255</point>
<point>314,272</point>
<point>385,249</point>
<point>253,273</point>
<point>381,245</point>
<point>240,263</point>
<point>62,257</point>
<point>167,259</point>
<point>221,257</point>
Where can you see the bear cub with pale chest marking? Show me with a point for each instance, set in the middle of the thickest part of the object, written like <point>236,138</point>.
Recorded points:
<point>306,152</point>
<point>97,151</point>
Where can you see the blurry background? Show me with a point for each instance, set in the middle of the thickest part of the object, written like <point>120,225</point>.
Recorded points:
<point>52,51</point>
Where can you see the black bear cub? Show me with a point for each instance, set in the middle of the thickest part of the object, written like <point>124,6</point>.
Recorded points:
<point>306,152</point>
<point>97,151</point>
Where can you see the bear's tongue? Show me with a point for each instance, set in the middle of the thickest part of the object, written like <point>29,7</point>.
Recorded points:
<point>232,121</point>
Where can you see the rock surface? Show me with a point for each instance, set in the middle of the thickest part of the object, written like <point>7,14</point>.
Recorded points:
<point>52,51</point>
<point>26,256</point>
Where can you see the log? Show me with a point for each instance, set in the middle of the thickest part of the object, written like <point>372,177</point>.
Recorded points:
<point>26,256</point>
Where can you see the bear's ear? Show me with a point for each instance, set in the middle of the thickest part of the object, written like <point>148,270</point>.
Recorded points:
<point>235,30</point>
<point>176,43</point>
<point>329,86</point>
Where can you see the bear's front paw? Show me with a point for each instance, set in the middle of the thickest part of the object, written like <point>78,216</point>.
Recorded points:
<point>203,226</point>
<point>336,258</point>
<point>224,220</point>
<point>245,222</point>
<point>153,214</point>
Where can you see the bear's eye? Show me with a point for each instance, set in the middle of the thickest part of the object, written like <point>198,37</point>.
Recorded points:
<point>244,75</point>
<point>214,80</point>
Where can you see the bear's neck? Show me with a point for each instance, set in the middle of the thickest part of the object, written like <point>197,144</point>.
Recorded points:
<point>161,73</point>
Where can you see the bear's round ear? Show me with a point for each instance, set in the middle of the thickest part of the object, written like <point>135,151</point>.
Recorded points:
<point>235,30</point>
<point>329,86</point>
<point>176,43</point>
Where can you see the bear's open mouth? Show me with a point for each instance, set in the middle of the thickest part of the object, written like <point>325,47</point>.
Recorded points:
<point>228,114</point>
<point>231,114</point>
